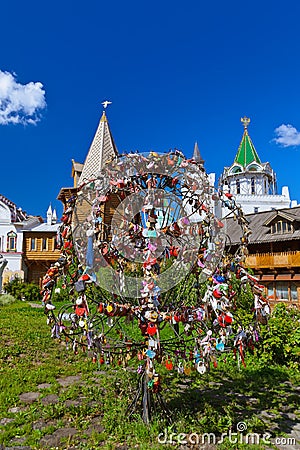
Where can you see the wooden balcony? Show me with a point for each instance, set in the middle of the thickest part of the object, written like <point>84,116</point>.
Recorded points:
<point>273,260</point>
<point>38,253</point>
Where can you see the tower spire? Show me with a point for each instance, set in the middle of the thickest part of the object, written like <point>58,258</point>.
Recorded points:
<point>196,154</point>
<point>49,215</point>
<point>246,153</point>
<point>102,149</point>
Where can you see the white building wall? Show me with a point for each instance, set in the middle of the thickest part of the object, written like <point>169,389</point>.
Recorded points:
<point>14,262</point>
<point>14,258</point>
<point>254,196</point>
<point>261,184</point>
<point>257,203</point>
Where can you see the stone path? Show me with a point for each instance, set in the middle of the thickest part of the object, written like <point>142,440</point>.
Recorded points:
<point>55,439</point>
<point>289,422</point>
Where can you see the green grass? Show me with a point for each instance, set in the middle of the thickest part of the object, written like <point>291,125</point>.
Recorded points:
<point>96,405</point>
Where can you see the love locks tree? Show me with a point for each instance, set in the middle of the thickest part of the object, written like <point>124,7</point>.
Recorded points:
<point>150,276</point>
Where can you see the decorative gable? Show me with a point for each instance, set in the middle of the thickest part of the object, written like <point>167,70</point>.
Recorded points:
<point>235,169</point>
<point>281,223</point>
<point>254,167</point>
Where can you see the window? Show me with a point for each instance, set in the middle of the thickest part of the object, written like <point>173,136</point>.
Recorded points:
<point>45,244</point>
<point>252,185</point>
<point>33,243</point>
<point>238,187</point>
<point>226,186</point>
<point>253,168</point>
<point>281,227</point>
<point>256,209</point>
<point>11,241</point>
<point>294,294</point>
<point>270,289</point>
<point>282,291</point>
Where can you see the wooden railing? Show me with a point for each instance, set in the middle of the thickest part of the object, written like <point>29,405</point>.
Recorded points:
<point>282,259</point>
<point>38,254</point>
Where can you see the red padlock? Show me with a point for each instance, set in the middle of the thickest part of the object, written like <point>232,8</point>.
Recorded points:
<point>151,328</point>
<point>169,364</point>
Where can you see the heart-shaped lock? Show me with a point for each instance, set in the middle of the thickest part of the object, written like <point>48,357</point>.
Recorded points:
<point>151,328</point>
<point>228,318</point>
<point>169,364</point>
<point>180,368</point>
<point>177,317</point>
<point>150,353</point>
<point>187,370</point>
<point>201,367</point>
<point>220,345</point>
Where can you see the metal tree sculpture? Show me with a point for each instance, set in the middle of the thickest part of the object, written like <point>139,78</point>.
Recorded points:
<point>142,239</point>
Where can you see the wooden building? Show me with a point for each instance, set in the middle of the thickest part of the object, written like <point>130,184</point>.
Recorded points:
<point>27,244</point>
<point>274,251</point>
<point>39,248</point>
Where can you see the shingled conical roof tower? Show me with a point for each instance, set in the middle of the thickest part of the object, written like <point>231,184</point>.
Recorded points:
<point>102,150</point>
<point>196,155</point>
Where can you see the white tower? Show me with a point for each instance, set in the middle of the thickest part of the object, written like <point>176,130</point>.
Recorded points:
<point>252,182</point>
<point>49,215</point>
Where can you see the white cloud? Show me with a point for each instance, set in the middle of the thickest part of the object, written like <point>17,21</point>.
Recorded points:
<point>20,103</point>
<point>287,136</point>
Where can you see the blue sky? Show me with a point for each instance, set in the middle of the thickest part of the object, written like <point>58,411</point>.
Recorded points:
<point>176,72</point>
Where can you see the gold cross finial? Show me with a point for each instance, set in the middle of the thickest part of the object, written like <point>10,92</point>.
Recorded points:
<point>245,121</point>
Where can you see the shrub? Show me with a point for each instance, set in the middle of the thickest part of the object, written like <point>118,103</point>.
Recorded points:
<point>15,287</point>
<point>6,299</point>
<point>23,291</point>
<point>281,338</point>
<point>31,292</point>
